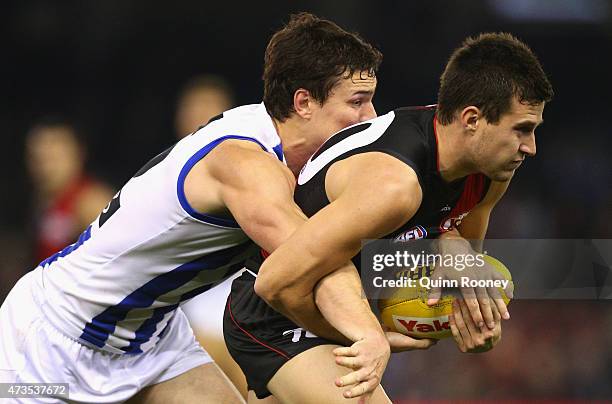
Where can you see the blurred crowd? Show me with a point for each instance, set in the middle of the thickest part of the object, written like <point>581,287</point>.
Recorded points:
<point>549,350</point>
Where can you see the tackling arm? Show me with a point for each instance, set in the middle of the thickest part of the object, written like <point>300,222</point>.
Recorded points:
<point>240,179</point>
<point>371,195</point>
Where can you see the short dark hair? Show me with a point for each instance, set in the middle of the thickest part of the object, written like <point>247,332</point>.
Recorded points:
<point>488,71</point>
<point>314,54</point>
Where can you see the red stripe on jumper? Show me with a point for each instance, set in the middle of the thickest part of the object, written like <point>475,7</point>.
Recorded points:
<point>472,194</point>
<point>229,307</point>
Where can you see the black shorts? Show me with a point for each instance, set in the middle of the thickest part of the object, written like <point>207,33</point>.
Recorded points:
<point>260,339</point>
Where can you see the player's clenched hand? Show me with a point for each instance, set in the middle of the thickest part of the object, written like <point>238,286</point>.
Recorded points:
<point>477,299</point>
<point>368,358</point>
<point>468,337</point>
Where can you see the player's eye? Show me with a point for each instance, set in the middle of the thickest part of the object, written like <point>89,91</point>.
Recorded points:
<point>524,130</point>
<point>357,102</point>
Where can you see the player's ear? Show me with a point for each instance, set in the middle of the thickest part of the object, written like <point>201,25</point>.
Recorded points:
<point>470,117</point>
<point>302,103</point>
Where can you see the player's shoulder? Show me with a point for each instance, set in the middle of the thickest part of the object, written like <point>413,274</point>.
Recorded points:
<point>248,122</point>
<point>241,118</point>
<point>411,132</point>
<point>417,119</point>
<point>414,123</point>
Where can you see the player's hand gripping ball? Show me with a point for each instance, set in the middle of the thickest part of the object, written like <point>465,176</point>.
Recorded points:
<point>407,312</point>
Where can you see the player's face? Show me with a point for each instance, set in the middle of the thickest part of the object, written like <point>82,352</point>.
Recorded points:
<point>350,102</point>
<point>502,147</point>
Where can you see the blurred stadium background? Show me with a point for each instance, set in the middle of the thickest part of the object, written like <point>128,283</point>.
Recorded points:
<point>117,69</point>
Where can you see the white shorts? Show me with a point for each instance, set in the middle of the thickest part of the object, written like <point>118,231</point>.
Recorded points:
<point>34,351</point>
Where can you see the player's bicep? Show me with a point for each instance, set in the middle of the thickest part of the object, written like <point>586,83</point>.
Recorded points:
<point>373,193</point>
<point>377,196</point>
<point>257,189</point>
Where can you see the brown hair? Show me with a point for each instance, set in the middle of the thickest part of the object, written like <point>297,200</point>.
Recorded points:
<point>314,54</point>
<point>487,72</point>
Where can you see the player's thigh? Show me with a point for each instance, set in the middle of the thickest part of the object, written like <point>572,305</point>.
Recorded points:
<point>309,378</point>
<point>252,399</point>
<point>215,346</point>
<point>203,384</point>
<point>208,328</point>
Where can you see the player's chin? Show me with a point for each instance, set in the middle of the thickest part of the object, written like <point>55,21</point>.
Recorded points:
<point>502,175</point>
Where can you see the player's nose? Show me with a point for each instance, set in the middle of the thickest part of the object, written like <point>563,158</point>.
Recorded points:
<point>369,112</point>
<point>528,145</point>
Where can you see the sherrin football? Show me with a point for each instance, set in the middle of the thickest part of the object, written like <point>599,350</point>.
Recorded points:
<point>407,312</point>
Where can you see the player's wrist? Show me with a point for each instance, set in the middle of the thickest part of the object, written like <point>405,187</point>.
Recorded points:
<point>375,335</point>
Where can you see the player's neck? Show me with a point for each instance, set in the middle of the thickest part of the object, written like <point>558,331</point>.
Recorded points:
<point>453,162</point>
<point>297,145</point>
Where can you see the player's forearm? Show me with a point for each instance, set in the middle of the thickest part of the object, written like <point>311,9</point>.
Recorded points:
<point>272,229</point>
<point>291,273</point>
<point>339,298</point>
<point>303,311</point>
<point>338,312</point>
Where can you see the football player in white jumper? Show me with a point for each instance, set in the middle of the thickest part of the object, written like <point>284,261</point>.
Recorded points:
<point>103,314</point>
